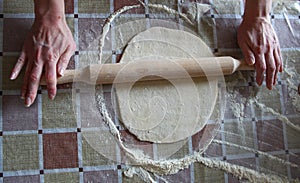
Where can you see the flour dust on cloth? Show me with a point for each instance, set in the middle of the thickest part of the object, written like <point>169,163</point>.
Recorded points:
<point>168,110</point>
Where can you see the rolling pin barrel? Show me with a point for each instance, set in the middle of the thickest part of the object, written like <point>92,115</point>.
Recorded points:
<point>153,70</point>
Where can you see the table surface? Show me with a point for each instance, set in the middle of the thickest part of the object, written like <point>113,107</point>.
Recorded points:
<point>44,143</point>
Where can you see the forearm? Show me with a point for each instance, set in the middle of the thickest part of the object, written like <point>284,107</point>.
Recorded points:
<point>51,11</point>
<point>257,8</point>
<point>259,42</point>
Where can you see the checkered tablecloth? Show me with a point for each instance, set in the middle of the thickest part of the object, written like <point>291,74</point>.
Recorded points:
<point>44,143</point>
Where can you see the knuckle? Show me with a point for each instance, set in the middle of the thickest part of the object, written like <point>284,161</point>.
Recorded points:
<point>50,80</point>
<point>31,94</point>
<point>272,69</point>
<point>37,63</point>
<point>52,56</point>
<point>34,78</point>
<point>259,49</point>
<point>24,89</point>
<point>262,68</point>
<point>269,46</point>
<point>21,60</point>
<point>51,89</point>
<point>50,83</point>
<point>37,52</point>
<point>64,60</point>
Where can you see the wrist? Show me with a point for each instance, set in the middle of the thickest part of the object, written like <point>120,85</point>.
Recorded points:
<point>49,11</point>
<point>255,9</point>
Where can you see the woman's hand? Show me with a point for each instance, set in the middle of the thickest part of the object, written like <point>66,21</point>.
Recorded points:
<point>259,42</point>
<point>46,51</point>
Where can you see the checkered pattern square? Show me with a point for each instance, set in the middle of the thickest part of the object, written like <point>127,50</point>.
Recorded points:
<point>60,150</point>
<point>20,152</point>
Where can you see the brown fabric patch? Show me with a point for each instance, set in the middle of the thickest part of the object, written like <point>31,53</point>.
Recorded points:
<point>60,150</point>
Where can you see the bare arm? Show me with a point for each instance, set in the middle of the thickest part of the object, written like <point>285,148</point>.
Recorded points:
<point>48,47</point>
<point>259,42</point>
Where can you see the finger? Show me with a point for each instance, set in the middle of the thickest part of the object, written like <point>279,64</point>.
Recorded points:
<point>271,69</point>
<point>64,60</point>
<point>275,75</point>
<point>18,66</point>
<point>51,80</point>
<point>51,75</point>
<point>248,54</point>
<point>277,54</point>
<point>278,64</point>
<point>278,59</point>
<point>260,67</point>
<point>34,77</point>
<point>33,82</point>
<point>25,78</point>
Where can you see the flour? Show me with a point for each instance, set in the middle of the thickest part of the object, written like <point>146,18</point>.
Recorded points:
<point>173,166</point>
<point>286,6</point>
<point>237,105</point>
<point>170,11</point>
<point>292,87</point>
<point>197,10</point>
<point>140,172</point>
<point>281,117</point>
<point>107,24</point>
<point>271,157</point>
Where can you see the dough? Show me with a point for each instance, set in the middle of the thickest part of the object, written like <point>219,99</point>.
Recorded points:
<point>166,111</point>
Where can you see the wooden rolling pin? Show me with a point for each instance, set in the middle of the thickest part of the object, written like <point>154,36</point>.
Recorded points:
<point>153,70</point>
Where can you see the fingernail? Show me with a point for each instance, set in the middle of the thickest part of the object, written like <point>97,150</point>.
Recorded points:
<point>252,61</point>
<point>22,95</point>
<point>280,68</point>
<point>51,96</point>
<point>61,72</point>
<point>259,83</point>
<point>13,76</point>
<point>28,102</point>
<point>270,87</point>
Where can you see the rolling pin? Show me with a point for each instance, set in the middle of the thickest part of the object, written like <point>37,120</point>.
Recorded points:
<point>153,70</point>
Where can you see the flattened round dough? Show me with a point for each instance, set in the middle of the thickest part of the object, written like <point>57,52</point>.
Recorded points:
<point>166,111</point>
